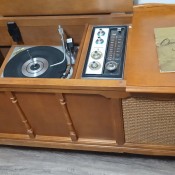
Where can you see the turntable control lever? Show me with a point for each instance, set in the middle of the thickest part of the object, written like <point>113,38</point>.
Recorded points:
<point>31,58</point>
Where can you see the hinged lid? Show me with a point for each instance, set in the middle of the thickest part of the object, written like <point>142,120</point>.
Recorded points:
<point>63,7</point>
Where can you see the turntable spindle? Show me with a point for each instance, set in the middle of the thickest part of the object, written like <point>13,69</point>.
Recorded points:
<point>31,58</point>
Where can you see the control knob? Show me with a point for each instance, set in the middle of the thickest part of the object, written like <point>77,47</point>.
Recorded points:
<point>111,65</point>
<point>95,65</point>
<point>99,40</point>
<point>96,55</point>
<point>101,32</point>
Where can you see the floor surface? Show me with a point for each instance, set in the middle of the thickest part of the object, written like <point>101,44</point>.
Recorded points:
<point>29,161</point>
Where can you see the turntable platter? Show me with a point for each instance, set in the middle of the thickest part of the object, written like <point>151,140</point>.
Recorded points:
<point>35,63</point>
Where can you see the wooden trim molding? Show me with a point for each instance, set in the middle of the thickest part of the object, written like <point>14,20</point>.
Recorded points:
<point>70,125</point>
<point>116,112</point>
<point>89,145</point>
<point>24,120</point>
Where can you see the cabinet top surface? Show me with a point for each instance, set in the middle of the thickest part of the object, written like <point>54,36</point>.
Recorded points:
<point>63,7</point>
<point>142,65</point>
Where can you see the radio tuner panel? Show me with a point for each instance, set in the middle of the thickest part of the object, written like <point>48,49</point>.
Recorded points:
<point>106,53</point>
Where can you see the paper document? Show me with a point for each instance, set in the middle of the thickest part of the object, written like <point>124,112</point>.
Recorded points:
<point>165,42</point>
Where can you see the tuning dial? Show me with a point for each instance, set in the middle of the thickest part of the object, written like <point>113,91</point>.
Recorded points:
<point>96,55</point>
<point>99,40</point>
<point>111,65</point>
<point>101,32</point>
<point>95,65</point>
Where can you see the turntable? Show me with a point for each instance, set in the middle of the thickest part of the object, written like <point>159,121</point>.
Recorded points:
<point>38,62</point>
<point>42,61</point>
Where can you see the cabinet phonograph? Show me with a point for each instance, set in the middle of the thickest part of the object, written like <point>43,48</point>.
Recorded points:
<point>78,75</point>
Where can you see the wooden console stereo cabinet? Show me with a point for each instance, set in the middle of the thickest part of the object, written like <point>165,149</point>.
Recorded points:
<point>133,115</point>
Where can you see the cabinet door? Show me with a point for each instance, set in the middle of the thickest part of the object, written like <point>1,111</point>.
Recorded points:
<point>94,116</point>
<point>10,122</point>
<point>44,113</point>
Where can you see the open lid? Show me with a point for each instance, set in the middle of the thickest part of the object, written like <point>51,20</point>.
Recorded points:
<point>63,7</point>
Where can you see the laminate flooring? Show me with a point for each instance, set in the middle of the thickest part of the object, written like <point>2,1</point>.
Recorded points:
<point>34,161</point>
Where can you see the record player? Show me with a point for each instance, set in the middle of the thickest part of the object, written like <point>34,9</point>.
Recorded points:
<point>38,62</point>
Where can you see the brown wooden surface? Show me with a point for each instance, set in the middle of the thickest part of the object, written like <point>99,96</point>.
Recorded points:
<point>60,7</point>
<point>142,67</point>
<point>4,51</point>
<point>103,87</point>
<point>43,30</point>
<point>1,58</point>
<point>68,119</point>
<point>79,52</point>
<point>91,116</point>
<point>10,122</point>
<point>87,144</point>
<point>84,53</point>
<point>44,113</point>
<point>21,114</point>
<point>80,116</point>
<point>118,125</point>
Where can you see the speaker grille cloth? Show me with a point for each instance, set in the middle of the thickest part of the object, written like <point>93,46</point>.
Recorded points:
<point>149,121</point>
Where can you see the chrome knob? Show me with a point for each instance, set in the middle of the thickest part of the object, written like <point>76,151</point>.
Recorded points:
<point>99,40</point>
<point>95,65</point>
<point>96,55</point>
<point>101,32</point>
<point>111,65</point>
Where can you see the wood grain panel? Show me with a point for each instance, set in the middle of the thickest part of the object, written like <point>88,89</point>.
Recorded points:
<point>4,51</point>
<point>9,119</point>
<point>91,116</point>
<point>88,145</point>
<point>21,114</point>
<point>5,39</point>
<point>44,30</point>
<point>70,125</point>
<point>44,113</point>
<point>1,58</point>
<point>58,7</point>
<point>142,66</point>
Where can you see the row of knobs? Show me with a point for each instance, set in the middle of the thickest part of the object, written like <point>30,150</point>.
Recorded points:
<point>95,65</point>
<point>99,39</point>
<point>110,66</point>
